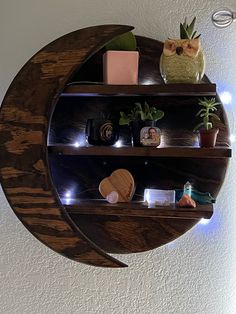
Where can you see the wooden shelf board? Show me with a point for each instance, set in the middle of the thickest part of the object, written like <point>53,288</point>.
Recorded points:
<point>176,151</point>
<point>205,89</point>
<point>136,209</point>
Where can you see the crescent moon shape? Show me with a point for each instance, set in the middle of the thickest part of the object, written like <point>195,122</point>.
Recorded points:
<point>25,116</point>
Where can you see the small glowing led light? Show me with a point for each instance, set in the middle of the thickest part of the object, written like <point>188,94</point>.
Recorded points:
<point>204,221</point>
<point>68,194</point>
<point>226,97</point>
<point>146,195</point>
<point>118,144</point>
<point>76,144</point>
<point>148,82</point>
<point>162,144</point>
<point>67,201</point>
<point>232,138</point>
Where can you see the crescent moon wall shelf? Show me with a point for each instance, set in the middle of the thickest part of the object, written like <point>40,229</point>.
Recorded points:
<point>35,173</point>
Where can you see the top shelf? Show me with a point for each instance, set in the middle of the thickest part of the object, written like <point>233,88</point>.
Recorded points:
<point>137,90</point>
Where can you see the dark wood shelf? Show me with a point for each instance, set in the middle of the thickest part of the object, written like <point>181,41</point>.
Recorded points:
<point>137,90</point>
<point>137,209</point>
<point>86,230</point>
<point>179,151</point>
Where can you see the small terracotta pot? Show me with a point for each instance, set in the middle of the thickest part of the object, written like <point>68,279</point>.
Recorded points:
<point>208,138</point>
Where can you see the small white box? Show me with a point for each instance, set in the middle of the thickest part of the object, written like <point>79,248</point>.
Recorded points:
<point>159,197</point>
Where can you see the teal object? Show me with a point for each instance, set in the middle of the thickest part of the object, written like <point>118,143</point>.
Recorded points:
<point>201,198</point>
<point>188,188</point>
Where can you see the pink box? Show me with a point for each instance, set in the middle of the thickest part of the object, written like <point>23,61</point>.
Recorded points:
<point>120,67</point>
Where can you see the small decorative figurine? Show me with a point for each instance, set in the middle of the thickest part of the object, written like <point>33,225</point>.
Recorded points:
<point>186,201</point>
<point>188,188</point>
<point>113,197</point>
<point>182,60</point>
<point>121,183</point>
<point>201,198</point>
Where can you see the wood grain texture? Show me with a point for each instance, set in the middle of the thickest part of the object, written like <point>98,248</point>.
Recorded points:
<point>24,165</point>
<point>124,235</point>
<point>137,209</point>
<point>25,115</point>
<point>151,168</point>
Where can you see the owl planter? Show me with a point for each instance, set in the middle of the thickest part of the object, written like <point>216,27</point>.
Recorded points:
<point>182,60</point>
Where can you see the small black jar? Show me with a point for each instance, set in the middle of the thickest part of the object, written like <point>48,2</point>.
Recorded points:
<point>102,131</point>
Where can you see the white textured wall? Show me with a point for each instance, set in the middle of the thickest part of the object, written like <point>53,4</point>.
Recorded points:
<point>196,273</point>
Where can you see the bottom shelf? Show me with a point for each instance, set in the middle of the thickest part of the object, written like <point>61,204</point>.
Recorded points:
<point>135,209</point>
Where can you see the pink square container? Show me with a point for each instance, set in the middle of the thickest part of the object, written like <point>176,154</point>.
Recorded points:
<point>120,67</point>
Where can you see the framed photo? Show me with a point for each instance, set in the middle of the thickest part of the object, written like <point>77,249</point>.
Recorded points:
<point>150,136</point>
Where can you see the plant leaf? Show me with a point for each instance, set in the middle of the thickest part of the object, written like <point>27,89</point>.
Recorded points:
<point>194,33</point>
<point>214,116</point>
<point>159,114</point>
<point>200,111</point>
<point>198,126</point>
<point>138,105</point>
<point>208,126</point>
<point>183,32</point>
<point>124,119</point>
<point>126,41</point>
<point>146,111</point>
<point>191,27</point>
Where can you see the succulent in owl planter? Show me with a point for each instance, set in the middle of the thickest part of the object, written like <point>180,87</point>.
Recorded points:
<point>182,60</point>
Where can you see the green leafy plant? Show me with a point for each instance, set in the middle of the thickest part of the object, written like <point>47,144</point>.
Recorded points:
<point>206,113</point>
<point>126,42</point>
<point>187,31</point>
<point>140,112</point>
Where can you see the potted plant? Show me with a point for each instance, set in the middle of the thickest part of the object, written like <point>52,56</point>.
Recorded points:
<point>121,60</point>
<point>143,123</point>
<point>182,60</point>
<point>207,134</point>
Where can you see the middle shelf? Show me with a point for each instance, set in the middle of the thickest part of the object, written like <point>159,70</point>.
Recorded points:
<point>136,209</point>
<point>173,151</point>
